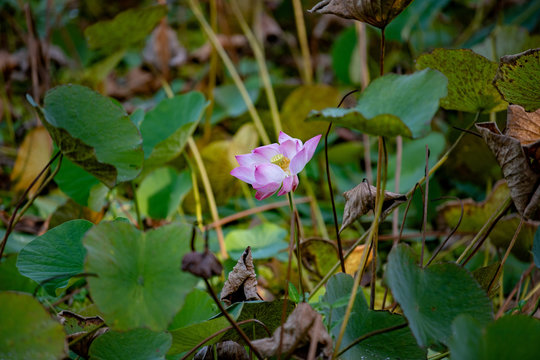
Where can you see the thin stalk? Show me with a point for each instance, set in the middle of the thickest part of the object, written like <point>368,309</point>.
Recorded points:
<point>443,159</point>
<point>315,205</point>
<point>334,212</point>
<point>381,59</point>
<point>201,343</point>
<point>195,7</point>
<point>196,194</point>
<point>425,208</point>
<point>532,292</point>
<point>137,210</point>
<point>261,64</point>
<point>298,251</point>
<point>396,240</point>
<point>212,74</point>
<point>439,356</point>
<point>302,39</point>
<point>12,221</point>
<point>487,226</point>
<point>510,246</point>
<point>397,179</point>
<point>209,194</point>
<point>231,320</point>
<point>372,333</point>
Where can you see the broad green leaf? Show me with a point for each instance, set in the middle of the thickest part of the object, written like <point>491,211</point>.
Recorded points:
<point>11,278</point>
<point>470,78</point>
<point>137,344</point>
<point>393,105</point>
<point>198,306</point>
<point>127,29</point>
<point>432,298</point>
<point>75,182</point>
<point>185,338</point>
<point>229,102</point>
<point>266,241</point>
<point>510,337</point>
<point>141,267</point>
<point>397,344</point>
<point>344,48</point>
<point>503,40</point>
<point>57,255</point>
<point>518,79</point>
<point>28,331</point>
<point>162,191</point>
<point>94,132</point>
<point>166,128</point>
<point>536,248</point>
<point>300,102</point>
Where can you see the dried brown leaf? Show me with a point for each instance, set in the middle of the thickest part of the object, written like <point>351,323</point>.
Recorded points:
<point>303,326</point>
<point>242,282</point>
<point>202,264</point>
<point>522,125</point>
<point>378,13</point>
<point>516,168</point>
<point>361,199</point>
<point>82,329</point>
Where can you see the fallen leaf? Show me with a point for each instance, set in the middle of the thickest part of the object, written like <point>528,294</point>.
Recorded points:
<point>353,261</point>
<point>242,282</point>
<point>202,264</point>
<point>163,50</point>
<point>303,326</point>
<point>361,199</point>
<point>32,156</point>
<point>378,13</point>
<point>523,125</point>
<point>516,168</point>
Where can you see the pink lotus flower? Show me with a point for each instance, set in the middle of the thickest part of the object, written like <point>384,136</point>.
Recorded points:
<point>275,167</point>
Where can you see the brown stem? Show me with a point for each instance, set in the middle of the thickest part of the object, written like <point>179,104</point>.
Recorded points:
<point>11,222</point>
<point>231,320</point>
<point>425,210</point>
<point>381,59</point>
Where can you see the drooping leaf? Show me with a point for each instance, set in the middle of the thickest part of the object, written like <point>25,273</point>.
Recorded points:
<point>518,79</point>
<point>432,298</point>
<point>516,168</point>
<point>166,128</point>
<point>522,125</point>
<point>162,191</point>
<point>361,199</point>
<point>303,326</point>
<point>397,344</point>
<point>470,79</point>
<point>266,241</point>
<point>137,344</point>
<point>141,267</point>
<point>28,331</point>
<point>241,284</point>
<point>94,132</point>
<point>510,337</point>
<point>393,105</point>
<point>55,256</point>
<point>300,102</point>
<point>378,13</point>
<point>32,156</point>
<point>127,29</point>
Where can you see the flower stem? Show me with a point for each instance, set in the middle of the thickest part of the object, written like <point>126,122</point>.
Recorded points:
<point>136,205</point>
<point>297,240</point>
<point>195,7</point>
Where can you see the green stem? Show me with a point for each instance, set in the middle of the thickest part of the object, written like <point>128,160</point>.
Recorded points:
<point>302,39</point>
<point>195,7</point>
<point>136,203</point>
<point>298,250</point>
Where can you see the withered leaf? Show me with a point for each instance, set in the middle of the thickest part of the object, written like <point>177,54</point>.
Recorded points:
<point>202,264</point>
<point>303,326</point>
<point>522,125</point>
<point>378,13</point>
<point>242,282</point>
<point>87,329</point>
<point>361,199</point>
<point>516,168</point>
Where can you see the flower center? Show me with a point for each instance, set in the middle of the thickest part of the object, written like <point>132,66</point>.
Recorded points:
<point>281,161</point>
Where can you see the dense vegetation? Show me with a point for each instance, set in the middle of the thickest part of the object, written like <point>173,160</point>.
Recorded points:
<point>249,179</point>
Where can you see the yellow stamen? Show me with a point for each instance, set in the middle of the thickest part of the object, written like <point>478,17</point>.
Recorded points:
<point>282,161</point>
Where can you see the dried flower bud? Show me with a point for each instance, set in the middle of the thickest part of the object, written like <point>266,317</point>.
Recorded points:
<point>202,264</point>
